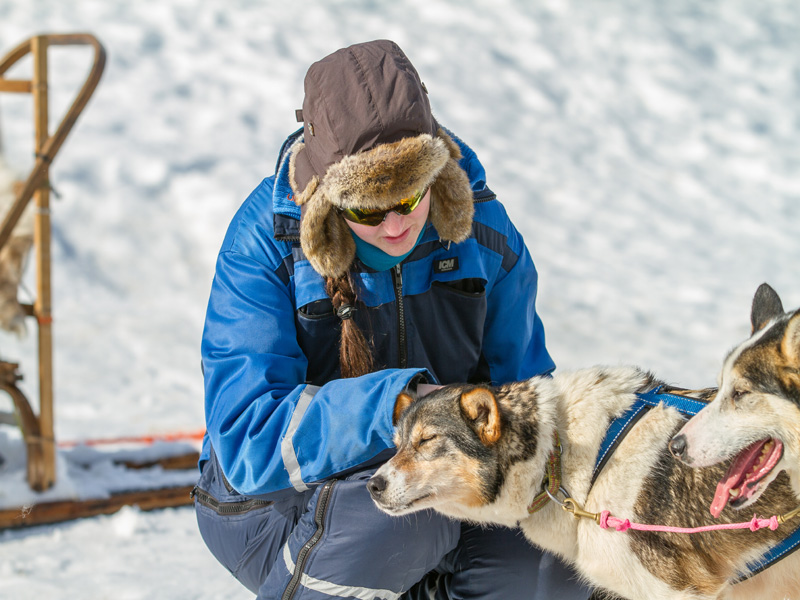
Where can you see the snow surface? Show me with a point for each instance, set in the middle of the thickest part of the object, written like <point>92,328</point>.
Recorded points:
<point>647,150</point>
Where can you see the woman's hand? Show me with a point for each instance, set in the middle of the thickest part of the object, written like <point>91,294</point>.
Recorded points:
<point>423,389</point>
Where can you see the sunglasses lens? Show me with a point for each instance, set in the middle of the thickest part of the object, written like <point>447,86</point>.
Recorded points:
<point>373,218</point>
<point>408,204</point>
<point>362,217</point>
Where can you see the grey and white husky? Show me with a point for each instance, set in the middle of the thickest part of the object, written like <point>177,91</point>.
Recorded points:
<point>753,422</point>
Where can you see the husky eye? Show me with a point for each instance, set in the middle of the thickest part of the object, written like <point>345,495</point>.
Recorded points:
<point>426,439</point>
<point>737,395</point>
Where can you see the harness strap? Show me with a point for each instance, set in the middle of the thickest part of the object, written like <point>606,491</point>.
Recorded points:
<point>779,551</point>
<point>616,432</point>
<point>552,481</point>
<point>685,405</point>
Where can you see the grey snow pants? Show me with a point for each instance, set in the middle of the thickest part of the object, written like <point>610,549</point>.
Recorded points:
<point>332,542</point>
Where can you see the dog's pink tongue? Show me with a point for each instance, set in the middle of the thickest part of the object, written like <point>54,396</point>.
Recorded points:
<point>738,473</point>
<point>723,493</point>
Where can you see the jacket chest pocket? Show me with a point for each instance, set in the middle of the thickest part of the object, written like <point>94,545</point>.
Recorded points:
<point>318,331</point>
<point>449,319</point>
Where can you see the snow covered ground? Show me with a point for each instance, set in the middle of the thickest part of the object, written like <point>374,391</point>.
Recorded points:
<point>647,150</point>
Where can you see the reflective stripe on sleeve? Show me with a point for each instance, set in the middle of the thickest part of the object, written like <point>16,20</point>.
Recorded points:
<point>288,453</point>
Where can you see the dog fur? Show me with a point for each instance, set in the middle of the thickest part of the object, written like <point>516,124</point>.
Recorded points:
<point>13,254</point>
<point>479,453</point>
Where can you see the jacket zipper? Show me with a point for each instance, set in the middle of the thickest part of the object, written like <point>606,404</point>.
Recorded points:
<point>484,196</point>
<point>227,508</point>
<point>302,556</point>
<point>402,355</point>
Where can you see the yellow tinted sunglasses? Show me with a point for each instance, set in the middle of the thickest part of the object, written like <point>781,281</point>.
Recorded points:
<point>375,217</point>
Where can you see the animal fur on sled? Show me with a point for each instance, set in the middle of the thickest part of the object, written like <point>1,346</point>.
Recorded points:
<point>13,255</point>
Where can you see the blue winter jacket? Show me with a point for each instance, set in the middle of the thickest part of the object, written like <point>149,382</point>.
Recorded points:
<point>278,415</point>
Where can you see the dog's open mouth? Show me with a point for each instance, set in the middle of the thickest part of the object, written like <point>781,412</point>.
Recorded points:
<point>751,466</point>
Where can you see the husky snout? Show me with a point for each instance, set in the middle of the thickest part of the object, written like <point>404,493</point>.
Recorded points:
<point>678,447</point>
<point>699,443</point>
<point>376,486</point>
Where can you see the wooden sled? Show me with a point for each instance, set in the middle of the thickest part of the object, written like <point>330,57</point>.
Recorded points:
<point>38,429</point>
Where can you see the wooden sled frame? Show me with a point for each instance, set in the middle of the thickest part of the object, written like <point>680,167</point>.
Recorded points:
<point>38,431</point>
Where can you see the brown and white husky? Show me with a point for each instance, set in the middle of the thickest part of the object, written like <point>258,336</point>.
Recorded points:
<point>481,454</point>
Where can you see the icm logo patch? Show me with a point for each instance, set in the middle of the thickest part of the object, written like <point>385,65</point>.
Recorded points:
<point>446,265</point>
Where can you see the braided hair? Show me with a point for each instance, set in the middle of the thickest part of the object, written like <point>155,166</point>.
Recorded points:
<point>355,356</point>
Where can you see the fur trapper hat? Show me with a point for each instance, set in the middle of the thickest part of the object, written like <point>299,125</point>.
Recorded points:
<point>370,140</point>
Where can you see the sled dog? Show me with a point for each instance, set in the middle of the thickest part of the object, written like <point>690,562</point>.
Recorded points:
<point>755,415</point>
<point>481,454</point>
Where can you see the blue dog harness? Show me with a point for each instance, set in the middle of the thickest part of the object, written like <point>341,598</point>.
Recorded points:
<point>620,426</point>
<point>688,407</point>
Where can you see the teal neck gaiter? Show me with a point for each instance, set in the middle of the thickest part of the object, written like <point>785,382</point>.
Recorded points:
<point>377,259</point>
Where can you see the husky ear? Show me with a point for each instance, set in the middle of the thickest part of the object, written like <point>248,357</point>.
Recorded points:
<point>480,407</point>
<point>790,346</point>
<point>766,305</point>
<point>403,401</point>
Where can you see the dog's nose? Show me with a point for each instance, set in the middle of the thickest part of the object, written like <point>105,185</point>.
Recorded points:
<point>677,446</point>
<point>376,486</point>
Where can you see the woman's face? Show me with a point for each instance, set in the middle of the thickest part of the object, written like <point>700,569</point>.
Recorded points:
<point>397,234</point>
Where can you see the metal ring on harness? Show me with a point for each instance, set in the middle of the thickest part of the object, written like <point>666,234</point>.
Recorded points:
<point>564,492</point>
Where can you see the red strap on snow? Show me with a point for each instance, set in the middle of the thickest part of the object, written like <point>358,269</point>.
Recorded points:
<point>143,439</point>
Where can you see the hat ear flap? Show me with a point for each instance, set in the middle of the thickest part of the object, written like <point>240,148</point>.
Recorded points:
<point>452,207</point>
<point>300,196</point>
<point>325,238</point>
